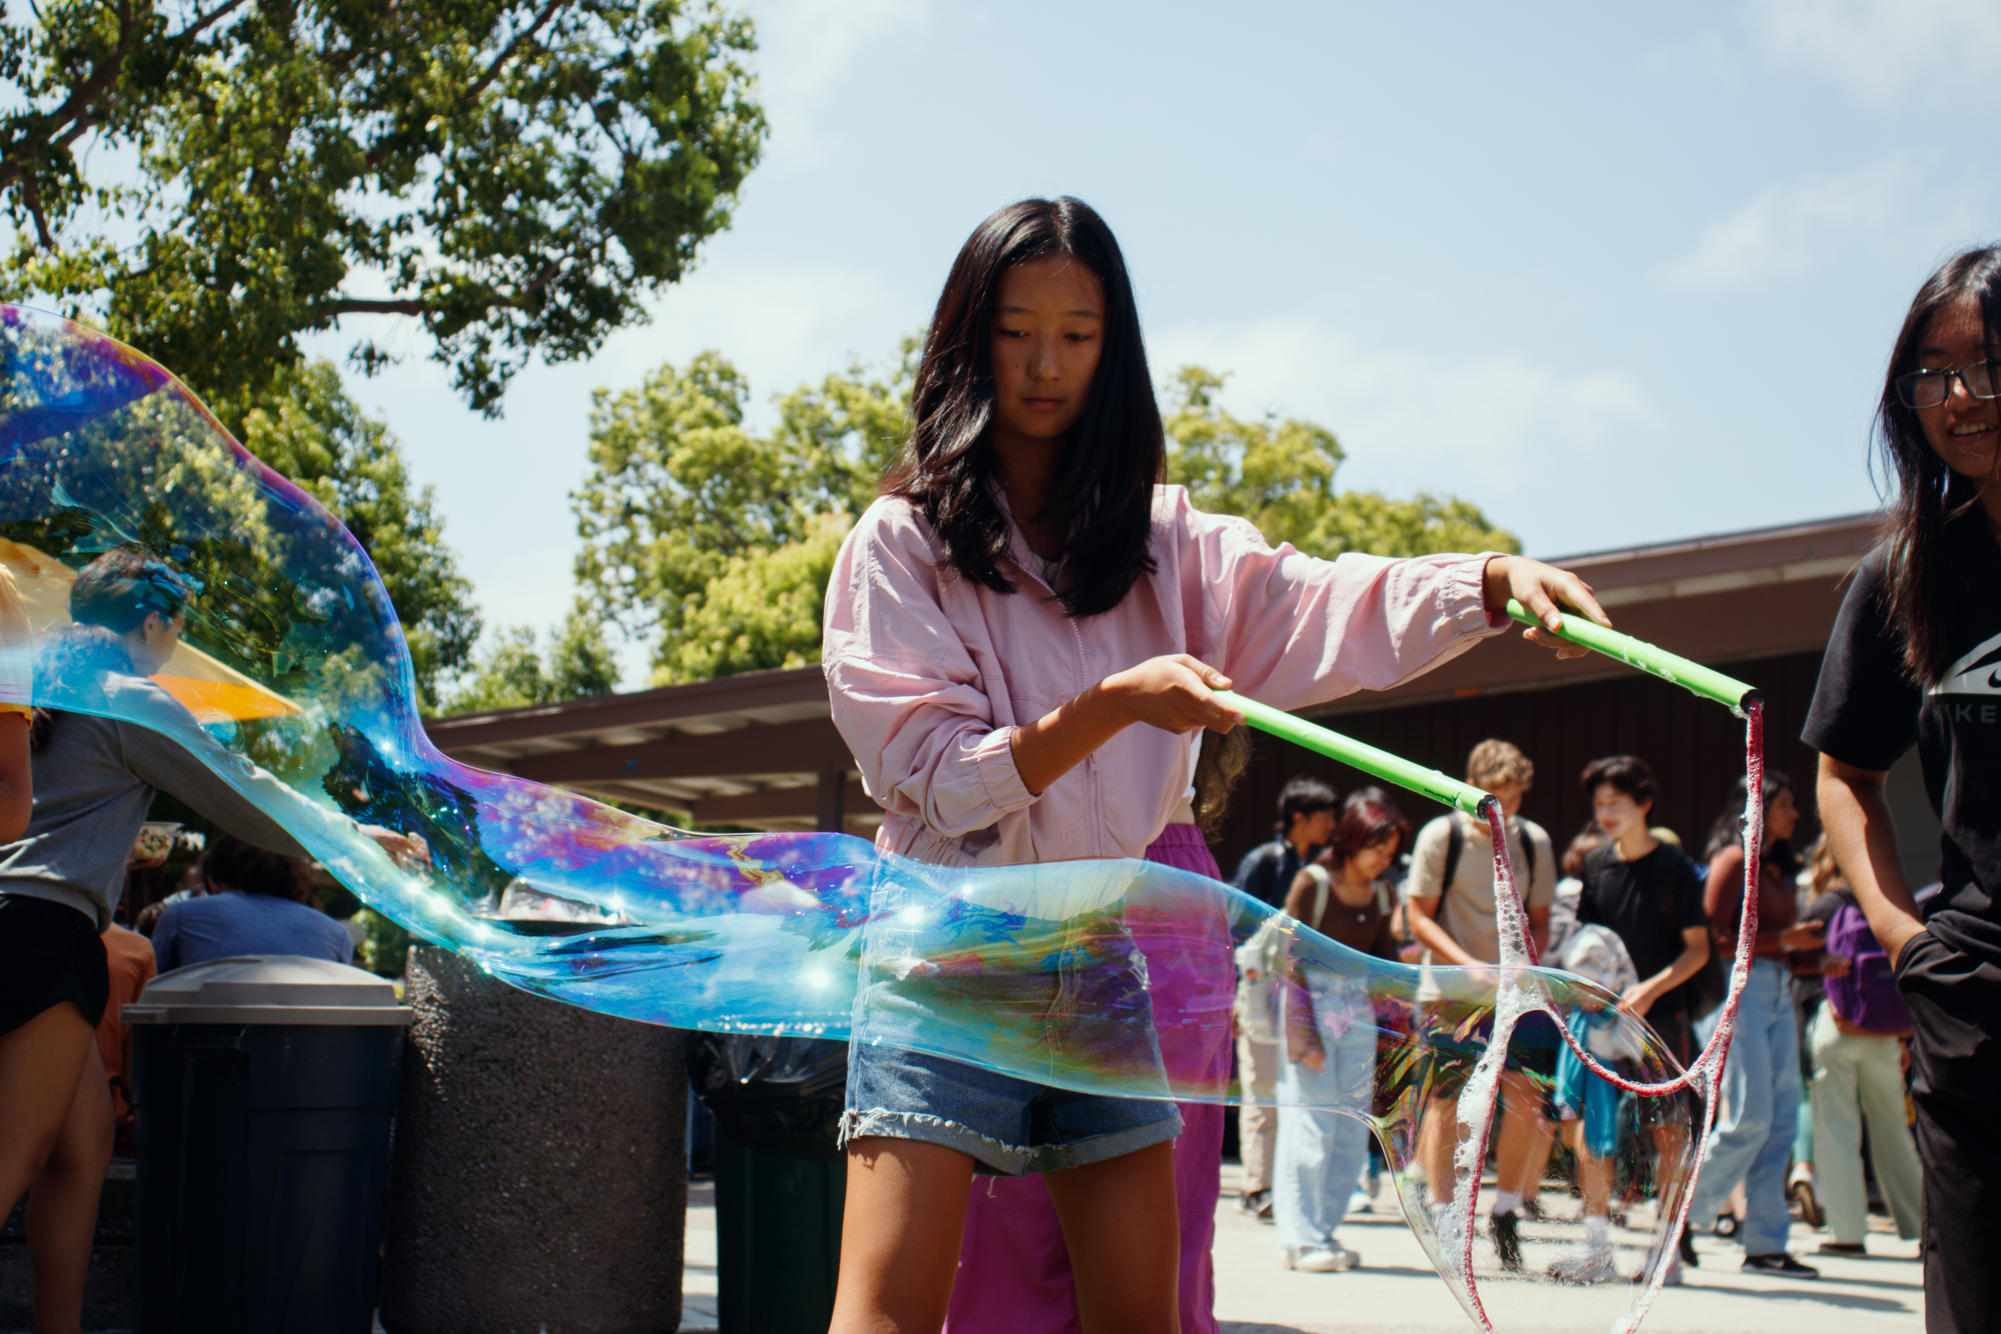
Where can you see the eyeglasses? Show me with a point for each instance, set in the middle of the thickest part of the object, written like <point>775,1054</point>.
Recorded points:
<point>1928,389</point>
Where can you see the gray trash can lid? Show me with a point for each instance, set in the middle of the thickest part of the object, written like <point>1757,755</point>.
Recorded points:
<point>269,989</point>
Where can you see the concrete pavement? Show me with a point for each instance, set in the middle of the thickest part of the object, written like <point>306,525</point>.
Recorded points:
<point>1398,1292</point>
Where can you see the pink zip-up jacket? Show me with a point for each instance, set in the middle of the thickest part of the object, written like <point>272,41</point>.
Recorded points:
<point>930,674</point>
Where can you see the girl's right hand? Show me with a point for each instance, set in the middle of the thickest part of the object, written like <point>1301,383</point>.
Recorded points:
<point>1176,693</point>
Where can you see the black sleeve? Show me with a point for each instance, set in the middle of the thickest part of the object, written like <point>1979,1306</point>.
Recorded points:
<point>1823,908</point>
<point>1587,893</point>
<point>1687,886</point>
<point>1865,709</point>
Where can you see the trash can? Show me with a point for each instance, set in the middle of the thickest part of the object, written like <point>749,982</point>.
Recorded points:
<point>780,1181</point>
<point>264,1089</point>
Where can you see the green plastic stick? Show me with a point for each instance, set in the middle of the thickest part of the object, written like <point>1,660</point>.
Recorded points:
<point>1704,681</point>
<point>1388,767</point>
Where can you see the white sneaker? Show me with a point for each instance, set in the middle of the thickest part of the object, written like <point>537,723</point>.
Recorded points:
<point>1585,1264</point>
<point>1329,1259</point>
<point>1361,1202</point>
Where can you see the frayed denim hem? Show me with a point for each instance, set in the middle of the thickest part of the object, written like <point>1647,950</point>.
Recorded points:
<point>1001,1158</point>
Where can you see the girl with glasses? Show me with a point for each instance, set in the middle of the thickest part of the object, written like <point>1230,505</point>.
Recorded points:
<point>1915,660</point>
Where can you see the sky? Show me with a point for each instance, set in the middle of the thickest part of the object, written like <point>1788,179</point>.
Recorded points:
<point>1617,274</point>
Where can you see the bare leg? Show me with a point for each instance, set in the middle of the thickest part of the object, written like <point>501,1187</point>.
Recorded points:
<point>62,1207</point>
<point>1437,1138</point>
<point>1123,1229</point>
<point>900,1230</point>
<point>1523,1150</point>
<point>40,1064</point>
<point>1594,1178</point>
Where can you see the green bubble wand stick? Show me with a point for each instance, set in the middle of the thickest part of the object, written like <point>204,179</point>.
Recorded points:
<point>1692,676</point>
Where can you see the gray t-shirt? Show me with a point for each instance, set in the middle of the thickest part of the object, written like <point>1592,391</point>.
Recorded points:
<point>1467,914</point>
<point>94,780</point>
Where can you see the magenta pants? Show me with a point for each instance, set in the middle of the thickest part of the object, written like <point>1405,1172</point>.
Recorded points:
<point>1014,1273</point>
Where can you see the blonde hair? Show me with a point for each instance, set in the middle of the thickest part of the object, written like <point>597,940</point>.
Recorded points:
<point>1493,763</point>
<point>1823,872</point>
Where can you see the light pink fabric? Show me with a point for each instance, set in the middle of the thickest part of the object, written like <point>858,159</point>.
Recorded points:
<point>929,674</point>
<point>1014,1269</point>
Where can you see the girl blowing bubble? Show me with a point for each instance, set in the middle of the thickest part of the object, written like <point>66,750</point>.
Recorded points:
<point>1023,635</point>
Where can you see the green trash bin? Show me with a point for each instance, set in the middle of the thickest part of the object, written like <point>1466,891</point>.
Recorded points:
<point>780,1182</point>
<point>264,1089</point>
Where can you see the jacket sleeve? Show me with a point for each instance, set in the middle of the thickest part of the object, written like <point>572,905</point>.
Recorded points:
<point>906,694</point>
<point>1293,630</point>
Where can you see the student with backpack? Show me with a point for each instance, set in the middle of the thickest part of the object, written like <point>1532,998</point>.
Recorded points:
<point>1857,1068</point>
<point>1453,914</point>
<point>1306,812</point>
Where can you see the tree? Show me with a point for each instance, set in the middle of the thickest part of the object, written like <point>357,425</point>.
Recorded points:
<point>713,540</point>
<point>1280,474</point>
<point>716,542</point>
<point>309,429</point>
<point>515,175</point>
<point>515,671</point>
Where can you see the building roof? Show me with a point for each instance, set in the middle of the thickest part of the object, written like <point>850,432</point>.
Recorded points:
<point>759,749</point>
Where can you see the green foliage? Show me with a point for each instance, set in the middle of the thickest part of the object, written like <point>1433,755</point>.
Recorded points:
<point>715,540</point>
<point>308,428</point>
<point>514,671</point>
<point>1279,474</point>
<point>762,611</point>
<point>385,946</point>
<point>516,175</point>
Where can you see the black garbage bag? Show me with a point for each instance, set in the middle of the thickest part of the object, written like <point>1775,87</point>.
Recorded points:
<point>770,1092</point>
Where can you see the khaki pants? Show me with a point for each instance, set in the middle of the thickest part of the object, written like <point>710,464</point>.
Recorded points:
<point>1857,1079</point>
<point>1257,1119</point>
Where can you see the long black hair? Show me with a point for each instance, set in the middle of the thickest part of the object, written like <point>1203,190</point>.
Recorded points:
<point>1926,572</point>
<point>1728,831</point>
<point>1102,496</point>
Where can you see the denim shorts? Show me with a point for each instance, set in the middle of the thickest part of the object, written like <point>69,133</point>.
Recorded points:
<point>1034,972</point>
<point>1009,1126</point>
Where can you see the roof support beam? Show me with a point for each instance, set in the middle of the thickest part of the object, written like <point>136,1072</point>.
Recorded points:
<point>812,746</point>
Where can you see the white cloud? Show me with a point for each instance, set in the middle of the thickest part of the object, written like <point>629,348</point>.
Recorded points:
<point>1479,426</point>
<point>806,45</point>
<point>1790,229</point>
<point>1878,48</point>
<point>807,49</point>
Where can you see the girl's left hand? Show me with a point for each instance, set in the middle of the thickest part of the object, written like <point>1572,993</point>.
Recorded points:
<point>1547,592</point>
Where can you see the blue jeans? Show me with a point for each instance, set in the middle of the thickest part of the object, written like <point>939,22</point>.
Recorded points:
<point>1321,1151</point>
<point>1761,1097</point>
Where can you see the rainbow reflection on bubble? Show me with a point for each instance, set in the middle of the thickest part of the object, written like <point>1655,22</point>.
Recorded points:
<point>293,683</point>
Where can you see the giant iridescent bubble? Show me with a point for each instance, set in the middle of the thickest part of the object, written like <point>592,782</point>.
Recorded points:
<point>294,684</point>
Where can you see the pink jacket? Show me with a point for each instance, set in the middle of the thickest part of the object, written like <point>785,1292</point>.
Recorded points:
<point>929,674</point>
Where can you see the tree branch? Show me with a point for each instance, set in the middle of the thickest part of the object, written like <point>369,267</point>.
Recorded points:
<point>209,21</point>
<point>75,110</point>
<point>359,306</point>
<point>31,195</point>
<point>500,61</point>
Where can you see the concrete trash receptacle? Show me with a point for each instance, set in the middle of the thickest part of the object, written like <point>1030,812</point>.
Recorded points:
<point>265,1089</point>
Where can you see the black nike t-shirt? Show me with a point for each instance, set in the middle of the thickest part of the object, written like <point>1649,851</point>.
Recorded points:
<point>1648,903</point>
<point>1867,712</point>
